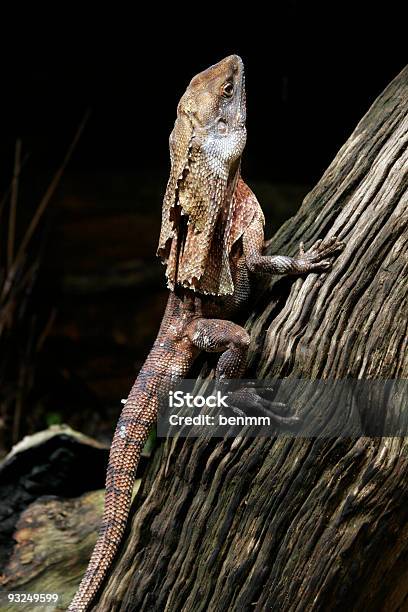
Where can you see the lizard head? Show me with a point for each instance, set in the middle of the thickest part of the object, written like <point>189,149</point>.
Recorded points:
<point>214,104</point>
<point>206,145</point>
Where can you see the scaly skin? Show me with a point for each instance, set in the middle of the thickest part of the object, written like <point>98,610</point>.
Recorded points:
<point>212,240</point>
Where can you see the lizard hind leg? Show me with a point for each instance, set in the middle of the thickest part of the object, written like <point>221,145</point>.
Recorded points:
<point>221,336</point>
<point>232,341</point>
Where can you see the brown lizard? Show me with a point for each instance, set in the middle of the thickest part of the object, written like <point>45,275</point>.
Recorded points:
<point>211,241</point>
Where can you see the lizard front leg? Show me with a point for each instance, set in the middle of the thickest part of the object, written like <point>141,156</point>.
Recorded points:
<point>316,259</point>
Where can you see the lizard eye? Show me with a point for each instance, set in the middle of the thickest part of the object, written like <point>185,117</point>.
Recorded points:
<point>228,90</point>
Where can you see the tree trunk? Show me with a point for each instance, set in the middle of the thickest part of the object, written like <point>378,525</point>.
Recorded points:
<point>312,523</point>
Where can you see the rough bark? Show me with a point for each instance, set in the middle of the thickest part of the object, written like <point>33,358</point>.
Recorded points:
<point>310,523</point>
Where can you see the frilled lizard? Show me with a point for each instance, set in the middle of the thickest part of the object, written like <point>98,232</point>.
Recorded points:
<point>211,241</point>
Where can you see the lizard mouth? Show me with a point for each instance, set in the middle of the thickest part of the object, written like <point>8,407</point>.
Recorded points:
<point>240,87</point>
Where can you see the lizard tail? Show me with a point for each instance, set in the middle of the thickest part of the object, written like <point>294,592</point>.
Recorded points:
<point>163,366</point>
<point>131,433</point>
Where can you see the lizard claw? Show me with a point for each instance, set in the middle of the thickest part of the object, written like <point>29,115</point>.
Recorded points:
<point>316,245</point>
<point>252,402</point>
<point>316,258</point>
<point>322,266</point>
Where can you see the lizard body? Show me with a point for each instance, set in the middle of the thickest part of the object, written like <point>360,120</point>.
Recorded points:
<point>211,240</point>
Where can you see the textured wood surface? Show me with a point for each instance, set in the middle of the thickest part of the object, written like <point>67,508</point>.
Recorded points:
<point>53,541</point>
<point>298,524</point>
<point>55,462</point>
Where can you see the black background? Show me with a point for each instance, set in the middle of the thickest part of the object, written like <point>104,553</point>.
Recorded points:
<point>312,72</point>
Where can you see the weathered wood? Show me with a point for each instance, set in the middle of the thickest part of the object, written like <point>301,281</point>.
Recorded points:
<point>53,541</point>
<point>50,513</point>
<point>56,461</point>
<point>46,541</point>
<point>298,524</point>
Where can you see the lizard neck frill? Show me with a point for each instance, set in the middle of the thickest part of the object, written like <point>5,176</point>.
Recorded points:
<point>167,362</point>
<point>206,145</point>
